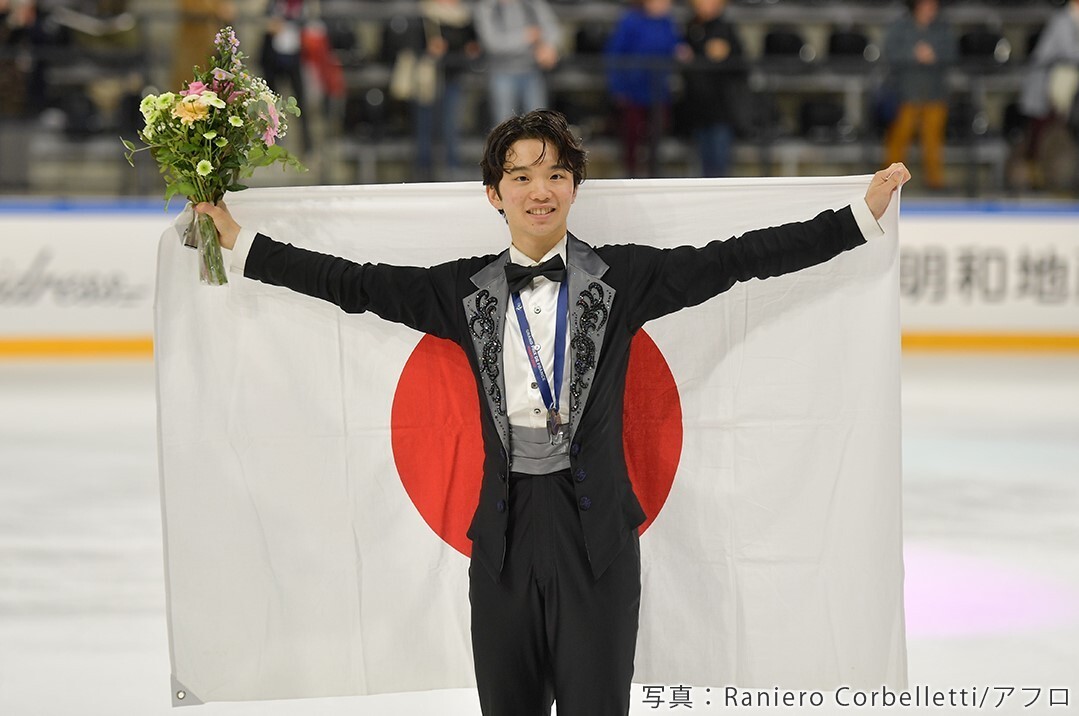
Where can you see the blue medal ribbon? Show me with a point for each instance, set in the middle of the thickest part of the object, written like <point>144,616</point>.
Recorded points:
<point>550,397</point>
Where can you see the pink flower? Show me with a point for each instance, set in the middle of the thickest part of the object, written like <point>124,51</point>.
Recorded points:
<point>194,88</point>
<point>274,121</point>
<point>223,89</point>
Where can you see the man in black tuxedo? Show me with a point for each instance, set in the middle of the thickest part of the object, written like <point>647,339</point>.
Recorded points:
<point>546,325</point>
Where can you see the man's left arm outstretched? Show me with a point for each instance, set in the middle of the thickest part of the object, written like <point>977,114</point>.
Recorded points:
<point>667,280</point>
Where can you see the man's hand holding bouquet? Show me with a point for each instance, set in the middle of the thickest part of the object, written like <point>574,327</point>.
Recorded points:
<point>208,136</point>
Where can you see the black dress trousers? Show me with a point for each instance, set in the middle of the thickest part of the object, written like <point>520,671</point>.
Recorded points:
<point>549,630</point>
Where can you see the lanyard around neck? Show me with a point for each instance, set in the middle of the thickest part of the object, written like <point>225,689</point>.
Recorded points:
<point>550,394</point>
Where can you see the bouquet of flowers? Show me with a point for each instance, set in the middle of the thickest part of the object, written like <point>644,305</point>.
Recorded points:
<point>206,137</point>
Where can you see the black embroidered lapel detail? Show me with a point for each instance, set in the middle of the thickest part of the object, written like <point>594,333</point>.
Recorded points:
<point>482,324</point>
<point>592,315</point>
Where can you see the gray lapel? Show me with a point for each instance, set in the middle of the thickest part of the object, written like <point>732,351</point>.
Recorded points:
<point>485,314</point>
<point>589,310</point>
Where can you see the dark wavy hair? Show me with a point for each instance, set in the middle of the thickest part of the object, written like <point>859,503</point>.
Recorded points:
<point>546,125</point>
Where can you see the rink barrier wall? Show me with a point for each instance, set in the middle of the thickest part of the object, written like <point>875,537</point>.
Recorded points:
<point>77,277</point>
<point>990,343</point>
<point>142,348</point>
<point>135,347</point>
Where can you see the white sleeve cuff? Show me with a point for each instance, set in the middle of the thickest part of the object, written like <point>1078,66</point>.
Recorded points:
<point>869,226</point>
<point>240,250</point>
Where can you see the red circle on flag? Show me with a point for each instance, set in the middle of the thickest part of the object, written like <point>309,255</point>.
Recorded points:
<point>438,448</point>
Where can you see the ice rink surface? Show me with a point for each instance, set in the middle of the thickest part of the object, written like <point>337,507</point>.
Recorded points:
<point>991,471</point>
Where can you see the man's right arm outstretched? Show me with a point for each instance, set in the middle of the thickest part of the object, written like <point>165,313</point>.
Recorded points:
<point>421,298</point>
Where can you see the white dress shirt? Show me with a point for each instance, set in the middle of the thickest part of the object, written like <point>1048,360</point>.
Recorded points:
<point>524,403</point>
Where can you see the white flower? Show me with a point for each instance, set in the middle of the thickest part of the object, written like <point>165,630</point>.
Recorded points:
<point>165,101</point>
<point>209,135</point>
<point>236,121</point>
<point>148,107</point>
<point>221,142</point>
<point>204,167</point>
<point>210,99</point>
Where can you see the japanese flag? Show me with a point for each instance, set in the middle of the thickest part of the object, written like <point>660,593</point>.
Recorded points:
<point>318,469</point>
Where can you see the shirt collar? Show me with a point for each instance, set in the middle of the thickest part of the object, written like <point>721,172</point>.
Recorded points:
<point>519,257</point>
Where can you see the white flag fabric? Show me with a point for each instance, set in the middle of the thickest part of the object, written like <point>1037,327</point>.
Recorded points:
<point>312,548</point>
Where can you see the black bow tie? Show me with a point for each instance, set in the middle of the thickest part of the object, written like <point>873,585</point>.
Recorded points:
<point>520,276</point>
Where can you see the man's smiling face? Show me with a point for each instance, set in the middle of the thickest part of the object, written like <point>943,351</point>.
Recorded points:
<point>535,193</point>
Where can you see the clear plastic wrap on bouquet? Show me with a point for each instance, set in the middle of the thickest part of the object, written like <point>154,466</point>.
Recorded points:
<point>201,234</point>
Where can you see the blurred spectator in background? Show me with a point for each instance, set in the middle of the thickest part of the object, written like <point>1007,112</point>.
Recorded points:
<point>198,21</point>
<point>451,40</point>
<point>47,34</point>
<point>30,31</point>
<point>16,60</point>
<point>919,47</point>
<point>520,40</point>
<point>715,84</point>
<point>282,47</point>
<point>321,58</point>
<point>1048,101</point>
<point>639,56</point>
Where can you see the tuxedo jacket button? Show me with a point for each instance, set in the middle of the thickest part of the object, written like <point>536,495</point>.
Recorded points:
<point>579,474</point>
<point>574,449</point>
<point>502,476</point>
<point>585,503</point>
<point>500,505</point>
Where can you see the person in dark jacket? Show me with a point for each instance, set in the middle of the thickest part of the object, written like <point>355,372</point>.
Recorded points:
<point>713,81</point>
<point>919,47</point>
<point>450,37</point>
